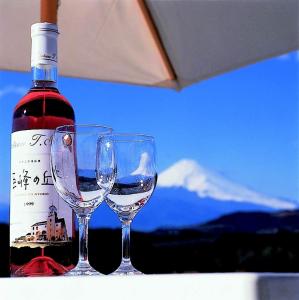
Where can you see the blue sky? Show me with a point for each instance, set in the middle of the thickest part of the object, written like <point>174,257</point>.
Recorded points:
<point>243,124</point>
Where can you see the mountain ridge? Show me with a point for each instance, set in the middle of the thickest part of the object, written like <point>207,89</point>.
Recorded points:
<point>253,222</point>
<point>188,195</point>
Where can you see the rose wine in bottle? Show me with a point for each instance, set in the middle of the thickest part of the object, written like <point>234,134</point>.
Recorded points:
<point>41,223</point>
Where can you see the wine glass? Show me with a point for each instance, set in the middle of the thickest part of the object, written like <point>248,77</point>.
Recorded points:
<point>134,184</point>
<point>82,178</point>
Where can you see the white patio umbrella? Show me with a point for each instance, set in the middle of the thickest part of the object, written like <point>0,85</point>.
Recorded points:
<point>171,43</point>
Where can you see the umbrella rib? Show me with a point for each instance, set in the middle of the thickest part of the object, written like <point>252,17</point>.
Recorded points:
<point>157,39</point>
<point>112,6</point>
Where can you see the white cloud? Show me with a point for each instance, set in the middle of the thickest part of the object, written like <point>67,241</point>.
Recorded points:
<point>284,57</point>
<point>193,177</point>
<point>12,89</point>
<point>288,56</point>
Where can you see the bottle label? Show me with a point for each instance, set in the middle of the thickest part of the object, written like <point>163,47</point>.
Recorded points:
<point>38,215</point>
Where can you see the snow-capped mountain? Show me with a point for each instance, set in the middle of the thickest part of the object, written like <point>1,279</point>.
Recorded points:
<point>188,174</point>
<point>189,195</point>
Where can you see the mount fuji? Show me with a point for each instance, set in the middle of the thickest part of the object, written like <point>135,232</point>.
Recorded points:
<point>188,174</point>
<point>188,194</point>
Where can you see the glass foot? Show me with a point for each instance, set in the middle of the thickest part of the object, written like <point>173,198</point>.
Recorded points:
<point>126,269</point>
<point>82,270</point>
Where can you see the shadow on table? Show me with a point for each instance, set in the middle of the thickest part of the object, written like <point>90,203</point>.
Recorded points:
<point>278,287</point>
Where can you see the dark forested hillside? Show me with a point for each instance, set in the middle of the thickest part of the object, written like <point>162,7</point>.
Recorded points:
<point>223,245</point>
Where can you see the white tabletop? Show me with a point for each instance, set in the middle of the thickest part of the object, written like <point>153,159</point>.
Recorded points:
<point>230,286</point>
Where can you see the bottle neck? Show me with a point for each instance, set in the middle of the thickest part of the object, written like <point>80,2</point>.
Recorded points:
<point>44,76</point>
<point>44,55</point>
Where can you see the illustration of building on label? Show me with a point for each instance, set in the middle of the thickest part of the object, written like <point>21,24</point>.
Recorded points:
<point>51,230</point>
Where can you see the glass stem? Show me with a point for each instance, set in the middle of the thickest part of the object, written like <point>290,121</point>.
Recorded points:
<point>83,239</point>
<point>126,229</point>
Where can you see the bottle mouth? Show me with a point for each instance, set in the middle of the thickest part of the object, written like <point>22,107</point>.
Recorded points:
<point>44,45</point>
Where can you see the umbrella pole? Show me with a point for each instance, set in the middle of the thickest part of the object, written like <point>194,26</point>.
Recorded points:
<point>48,11</point>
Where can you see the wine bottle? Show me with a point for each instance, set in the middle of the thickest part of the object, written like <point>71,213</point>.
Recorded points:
<point>41,224</point>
